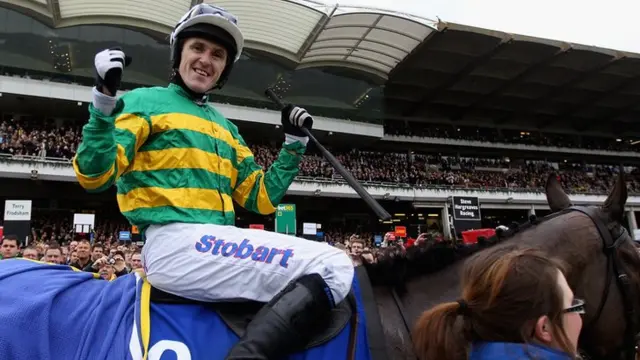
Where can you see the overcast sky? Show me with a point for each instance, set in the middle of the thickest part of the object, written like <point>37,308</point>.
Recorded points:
<point>610,24</point>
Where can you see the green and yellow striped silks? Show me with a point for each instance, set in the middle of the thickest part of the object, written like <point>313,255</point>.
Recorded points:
<point>175,161</point>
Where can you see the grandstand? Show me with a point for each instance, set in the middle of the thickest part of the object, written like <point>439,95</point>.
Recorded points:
<point>418,110</point>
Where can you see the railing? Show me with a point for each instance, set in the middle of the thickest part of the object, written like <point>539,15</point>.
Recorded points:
<point>336,180</point>
<point>440,187</point>
<point>33,158</point>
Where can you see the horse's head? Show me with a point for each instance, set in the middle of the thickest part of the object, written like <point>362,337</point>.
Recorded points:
<point>599,252</point>
<point>577,235</point>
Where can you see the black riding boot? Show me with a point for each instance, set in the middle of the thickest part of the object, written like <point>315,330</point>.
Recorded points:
<point>284,324</point>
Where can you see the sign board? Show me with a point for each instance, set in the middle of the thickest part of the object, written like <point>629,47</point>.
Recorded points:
<point>124,236</point>
<point>466,208</point>
<point>400,231</point>
<point>309,228</point>
<point>286,219</point>
<point>83,223</point>
<point>256,226</point>
<point>17,210</point>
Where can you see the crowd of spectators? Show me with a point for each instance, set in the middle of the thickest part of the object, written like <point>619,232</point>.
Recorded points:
<point>56,226</point>
<point>55,140</point>
<point>435,171</point>
<point>53,240</point>
<point>507,136</point>
<point>109,259</point>
<point>30,137</point>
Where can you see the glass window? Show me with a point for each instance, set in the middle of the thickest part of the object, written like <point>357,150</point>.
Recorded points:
<point>30,48</point>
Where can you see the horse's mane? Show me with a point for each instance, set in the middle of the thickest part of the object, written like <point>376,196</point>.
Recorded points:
<point>395,265</point>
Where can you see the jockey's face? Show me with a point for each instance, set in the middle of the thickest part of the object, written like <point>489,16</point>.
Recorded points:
<point>9,248</point>
<point>201,64</point>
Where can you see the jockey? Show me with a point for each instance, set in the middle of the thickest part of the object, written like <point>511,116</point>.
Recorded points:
<point>178,163</point>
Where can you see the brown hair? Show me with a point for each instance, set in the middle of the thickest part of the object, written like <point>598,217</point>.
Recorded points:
<point>11,238</point>
<point>357,240</point>
<point>504,291</point>
<point>54,246</point>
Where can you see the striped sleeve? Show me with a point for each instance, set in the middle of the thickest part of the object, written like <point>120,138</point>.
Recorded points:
<point>109,144</point>
<point>260,191</point>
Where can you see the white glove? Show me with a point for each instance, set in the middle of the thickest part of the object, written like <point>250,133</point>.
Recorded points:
<point>109,65</point>
<point>293,119</point>
<point>108,59</point>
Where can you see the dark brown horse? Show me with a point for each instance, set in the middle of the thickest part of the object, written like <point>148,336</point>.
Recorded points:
<point>604,270</point>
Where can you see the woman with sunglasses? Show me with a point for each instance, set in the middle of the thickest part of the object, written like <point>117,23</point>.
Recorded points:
<point>179,165</point>
<point>515,304</point>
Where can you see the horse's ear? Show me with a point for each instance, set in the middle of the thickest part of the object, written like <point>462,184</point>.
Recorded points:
<point>556,197</point>
<point>614,205</point>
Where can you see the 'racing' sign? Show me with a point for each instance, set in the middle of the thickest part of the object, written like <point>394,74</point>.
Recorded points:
<point>466,208</point>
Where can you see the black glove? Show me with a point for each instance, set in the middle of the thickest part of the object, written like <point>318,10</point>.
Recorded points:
<point>109,65</point>
<point>293,118</point>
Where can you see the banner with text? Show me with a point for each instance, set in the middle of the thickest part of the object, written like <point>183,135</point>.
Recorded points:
<point>286,219</point>
<point>466,208</point>
<point>17,219</point>
<point>466,213</point>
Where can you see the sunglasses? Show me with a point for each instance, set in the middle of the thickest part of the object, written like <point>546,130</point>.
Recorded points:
<point>576,307</point>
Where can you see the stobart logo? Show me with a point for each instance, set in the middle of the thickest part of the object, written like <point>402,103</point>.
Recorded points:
<point>243,251</point>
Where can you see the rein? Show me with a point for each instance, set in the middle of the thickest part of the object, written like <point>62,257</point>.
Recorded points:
<point>611,243</point>
<point>614,267</point>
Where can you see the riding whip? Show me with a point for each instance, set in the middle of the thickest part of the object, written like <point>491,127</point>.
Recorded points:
<point>360,190</point>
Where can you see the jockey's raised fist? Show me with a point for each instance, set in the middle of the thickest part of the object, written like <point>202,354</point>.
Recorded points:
<point>109,65</point>
<point>294,118</point>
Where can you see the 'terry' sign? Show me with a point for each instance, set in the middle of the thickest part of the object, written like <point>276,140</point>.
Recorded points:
<point>17,210</point>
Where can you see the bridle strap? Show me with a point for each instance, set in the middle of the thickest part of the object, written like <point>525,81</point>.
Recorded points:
<point>610,247</point>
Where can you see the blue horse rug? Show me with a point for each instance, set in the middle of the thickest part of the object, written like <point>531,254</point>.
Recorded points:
<point>56,312</point>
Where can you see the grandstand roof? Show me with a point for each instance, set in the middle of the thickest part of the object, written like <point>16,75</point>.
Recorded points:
<point>304,32</point>
<point>466,74</point>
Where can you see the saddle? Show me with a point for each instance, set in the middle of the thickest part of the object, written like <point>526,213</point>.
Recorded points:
<point>237,315</point>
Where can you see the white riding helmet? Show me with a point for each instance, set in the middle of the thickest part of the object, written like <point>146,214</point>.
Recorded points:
<point>212,22</point>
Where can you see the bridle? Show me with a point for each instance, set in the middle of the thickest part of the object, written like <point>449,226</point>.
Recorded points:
<point>611,242</point>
